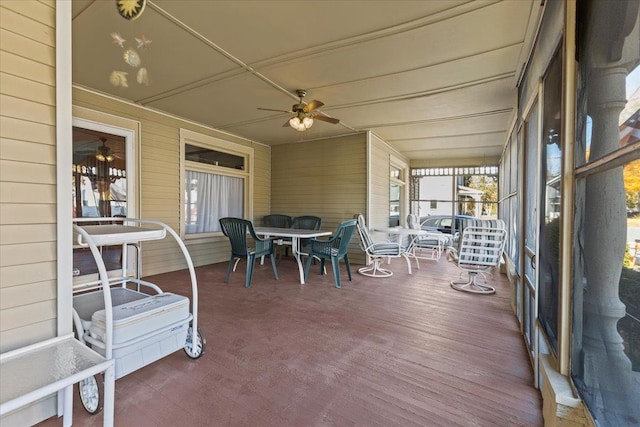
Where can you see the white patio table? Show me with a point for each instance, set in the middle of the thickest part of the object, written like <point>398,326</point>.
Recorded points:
<point>413,234</point>
<point>295,234</point>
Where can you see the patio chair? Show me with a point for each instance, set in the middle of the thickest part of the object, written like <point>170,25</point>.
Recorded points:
<point>377,252</point>
<point>305,222</point>
<point>434,242</point>
<point>334,249</point>
<point>279,221</point>
<point>479,249</point>
<point>236,230</point>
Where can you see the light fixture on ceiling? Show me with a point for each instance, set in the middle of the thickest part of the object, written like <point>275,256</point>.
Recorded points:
<point>304,114</point>
<point>301,122</point>
<point>103,153</point>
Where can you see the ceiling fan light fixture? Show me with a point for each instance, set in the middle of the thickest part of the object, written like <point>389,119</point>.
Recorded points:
<point>307,122</point>
<point>103,154</point>
<point>301,124</point>
<point>297,124</point>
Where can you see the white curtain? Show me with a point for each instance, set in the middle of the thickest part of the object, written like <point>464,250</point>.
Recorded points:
<point>215,197</point>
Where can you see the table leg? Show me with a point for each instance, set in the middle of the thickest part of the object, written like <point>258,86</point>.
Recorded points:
<point>295,248</point>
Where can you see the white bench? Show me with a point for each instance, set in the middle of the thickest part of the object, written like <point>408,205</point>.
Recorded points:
<point>36,371</point>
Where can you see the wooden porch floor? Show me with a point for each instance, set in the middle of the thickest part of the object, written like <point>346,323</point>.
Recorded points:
<point>402,351</point>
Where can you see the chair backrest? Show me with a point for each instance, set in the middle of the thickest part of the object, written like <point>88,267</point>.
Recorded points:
<point>413,222</point>
<point>482,243</point>
<point>277,220</point>
<point>236,230</point>
<point>343,236</point>
<point>363,231</point>
<point>307,222</point>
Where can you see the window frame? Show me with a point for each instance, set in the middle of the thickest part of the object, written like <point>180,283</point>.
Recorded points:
<point>217,144</point>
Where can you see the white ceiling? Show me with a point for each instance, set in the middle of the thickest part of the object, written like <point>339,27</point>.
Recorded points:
<point>436,79</point>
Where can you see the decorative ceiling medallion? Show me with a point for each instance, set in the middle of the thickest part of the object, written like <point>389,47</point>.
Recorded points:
<point>130,9</point>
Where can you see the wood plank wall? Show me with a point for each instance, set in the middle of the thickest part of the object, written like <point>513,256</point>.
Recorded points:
<point>160,179</point>
<point>28,251</point>
<point>379,175</point>
<point>27,173</point>
<point>380,183</point>
<point>326,178</point>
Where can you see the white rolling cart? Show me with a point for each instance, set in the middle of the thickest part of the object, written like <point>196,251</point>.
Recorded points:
<point>116,315</point>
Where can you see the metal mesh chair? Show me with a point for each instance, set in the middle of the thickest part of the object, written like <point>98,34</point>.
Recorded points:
<point>377,252</point>
<point>236,229</point>
<point>479,249</point>
<point>334,249</point>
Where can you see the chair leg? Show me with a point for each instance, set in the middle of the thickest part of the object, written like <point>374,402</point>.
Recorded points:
<point>307,266</point>
<point>231,265</point>
<point>273,265</point>
<point>405,256</point>
<point>346,262</point>
<point>322,269</point>
<point>247,281</point>
<point>335,263</point>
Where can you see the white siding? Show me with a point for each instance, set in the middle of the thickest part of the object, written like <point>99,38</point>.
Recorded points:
<point>379,175</point>
<point>28,256</point>
<point>326,178</point>
<point>27,173</point>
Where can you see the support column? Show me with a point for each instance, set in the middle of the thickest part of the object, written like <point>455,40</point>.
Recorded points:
<point>607,369</point>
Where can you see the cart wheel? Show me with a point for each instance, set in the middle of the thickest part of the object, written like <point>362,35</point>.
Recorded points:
<point>196,350</point>
<point>89,394</point>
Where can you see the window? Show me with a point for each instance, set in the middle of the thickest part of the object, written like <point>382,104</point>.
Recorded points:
<point>550,199</point>
<point>605,353</point>
<point>453,191</point>
<point>215,183</point>
<point>396,192</point>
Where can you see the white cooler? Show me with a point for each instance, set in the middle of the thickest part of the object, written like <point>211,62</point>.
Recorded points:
<point>88,303</point>
<point>144,330</point>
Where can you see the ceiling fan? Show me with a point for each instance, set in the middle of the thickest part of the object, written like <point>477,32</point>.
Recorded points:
<point>303,114</point>
<point>104,153</point>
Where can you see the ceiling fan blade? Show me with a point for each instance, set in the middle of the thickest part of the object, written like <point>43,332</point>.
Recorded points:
<point>280,111</point>
<point>286,124</point>
<point>326,119</point>
<point>312,106</point>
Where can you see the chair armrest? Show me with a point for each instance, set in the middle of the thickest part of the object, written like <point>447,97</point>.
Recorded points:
<point>325,247</point>
<point>264,244</point>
